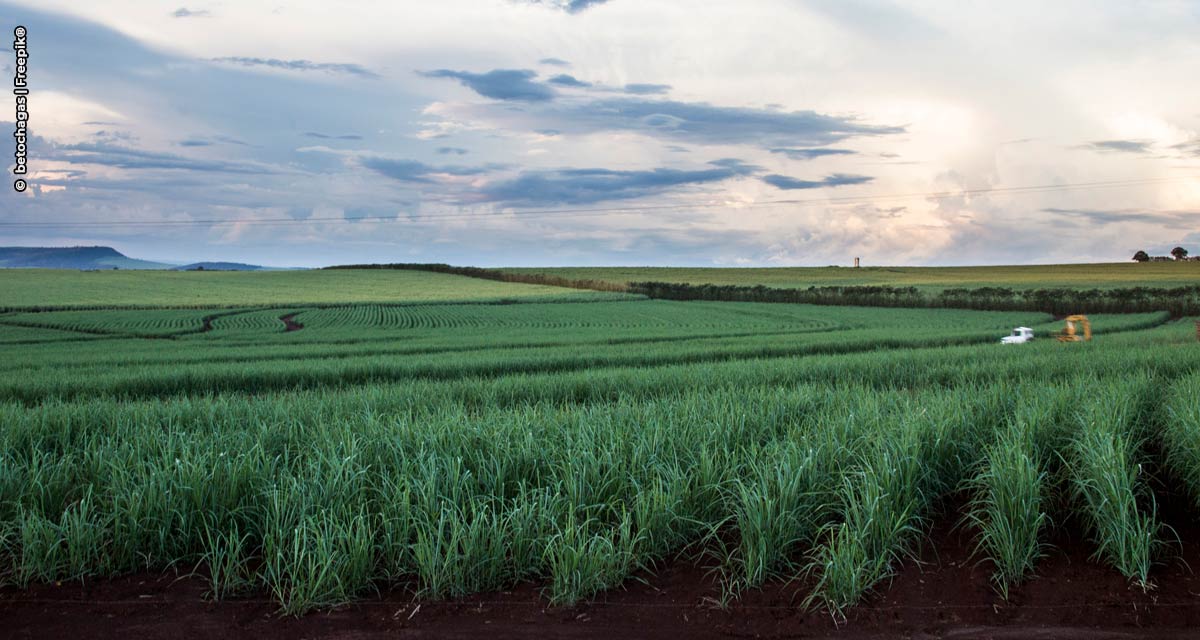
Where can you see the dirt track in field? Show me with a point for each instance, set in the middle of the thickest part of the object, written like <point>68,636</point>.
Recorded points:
<point>289,323</point>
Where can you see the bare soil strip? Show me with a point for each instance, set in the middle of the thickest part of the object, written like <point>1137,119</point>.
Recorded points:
<point>289,323</point>
<point>945,594</point>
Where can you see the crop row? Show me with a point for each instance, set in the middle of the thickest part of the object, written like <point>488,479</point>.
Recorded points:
<point>319,498</point>
<point>643,315</point>
<point>253,323</point>
<point>158,322</point>
<point>259,372</point>
<point>258,376</point>
<point>515,326</point>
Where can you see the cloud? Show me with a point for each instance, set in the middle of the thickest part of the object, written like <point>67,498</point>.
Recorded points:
<point>323,136</point>
<point>229,140</point>
<point>585,186</point>
<point>554,62</point>
<point>414,171</point>
<point>1191,147</point>
<point>499,84</point>
<point>876,20</point>
<point>300,65</point>
<point>742,166</point>
<point>129,158</point>
<point>184,12</point>
<point>570,6</point>
<point>693,122</point>
<point>575,6</point>
<point>459,151</point>
<point>565,80</point>
<point>1119,146</point>
<point>890,212</point>
<point>646,89</point>
<point>833,180</point>
<point>811,154</point>
<point>1112,216</point>
<point>194,143</point>
<point>354,214</point>
<point>105,135</point>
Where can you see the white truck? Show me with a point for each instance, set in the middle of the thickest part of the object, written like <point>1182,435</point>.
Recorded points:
<point>1020,335</point>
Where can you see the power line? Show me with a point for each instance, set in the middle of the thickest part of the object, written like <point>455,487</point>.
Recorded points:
<point>632,209</point>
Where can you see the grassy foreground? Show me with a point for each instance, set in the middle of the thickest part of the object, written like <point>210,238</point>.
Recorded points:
<point>934,279</point>
<point>324,449</point>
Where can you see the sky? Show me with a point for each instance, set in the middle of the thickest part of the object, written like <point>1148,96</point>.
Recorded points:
<point>610,132</point>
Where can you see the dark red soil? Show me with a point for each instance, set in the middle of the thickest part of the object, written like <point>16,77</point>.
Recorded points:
<point>290,324</point>
<point>947,595</point>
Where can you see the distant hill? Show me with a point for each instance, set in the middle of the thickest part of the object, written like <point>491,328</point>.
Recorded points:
<point>220,266</point>
<point>72,258</point>
<point>101,258</point>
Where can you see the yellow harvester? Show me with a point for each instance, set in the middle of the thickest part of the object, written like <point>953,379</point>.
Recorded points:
<point>1069,333</point>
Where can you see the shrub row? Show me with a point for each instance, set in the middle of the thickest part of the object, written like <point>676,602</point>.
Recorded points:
<point>1179,301</point>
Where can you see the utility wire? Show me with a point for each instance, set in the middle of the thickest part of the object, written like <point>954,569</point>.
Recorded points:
<point>632,209</point>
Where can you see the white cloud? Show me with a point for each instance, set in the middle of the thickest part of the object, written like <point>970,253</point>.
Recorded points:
<point>949,75</point>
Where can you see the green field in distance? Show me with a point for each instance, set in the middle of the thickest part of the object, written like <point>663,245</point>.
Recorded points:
<point>463,436</point>
<point>1084,276</point>
<point>49,288</point>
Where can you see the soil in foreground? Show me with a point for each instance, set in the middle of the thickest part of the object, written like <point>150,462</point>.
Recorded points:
<point>945,595</point>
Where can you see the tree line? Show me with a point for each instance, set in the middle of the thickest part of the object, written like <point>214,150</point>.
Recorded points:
<point>1178,301</point>
<point>1177,254</point>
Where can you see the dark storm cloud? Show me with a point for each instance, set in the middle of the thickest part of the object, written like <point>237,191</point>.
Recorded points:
<point>129,158</point>
<point>703,123</point>
<point>585,186</point>
<point>301,65</point>
<point>811,154</point>
<point>184,12</point>
<point>834,180</point>
<point>1119,146</point>
<point>565,80</point>
<point>325,136</point>
<point>413,171</point>
<point>642,89</point>
<point>499,84</point>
